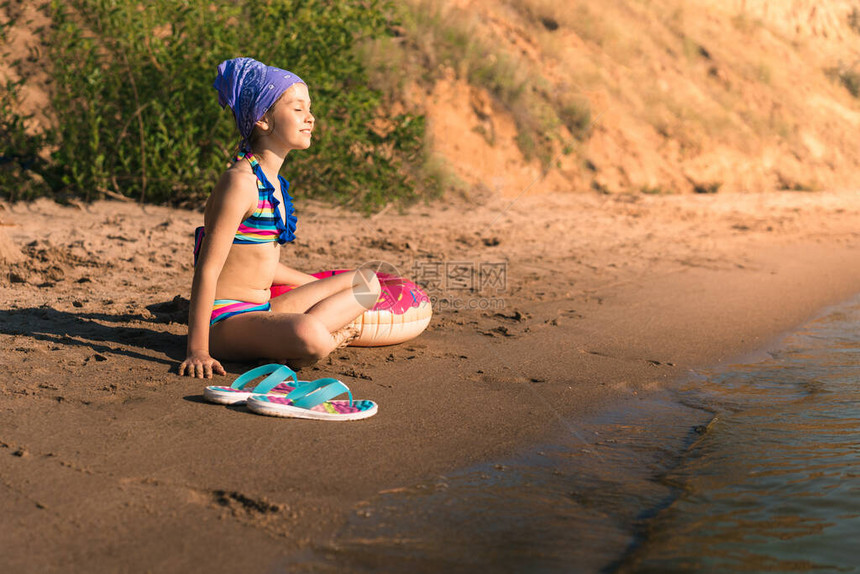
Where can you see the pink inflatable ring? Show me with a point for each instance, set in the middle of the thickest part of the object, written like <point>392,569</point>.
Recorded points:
<point>402,311</point>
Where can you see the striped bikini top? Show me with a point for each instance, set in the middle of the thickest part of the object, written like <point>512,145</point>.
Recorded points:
<point>266,224</point>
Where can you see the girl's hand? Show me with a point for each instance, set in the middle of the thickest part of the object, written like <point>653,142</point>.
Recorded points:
<point>201,365</point>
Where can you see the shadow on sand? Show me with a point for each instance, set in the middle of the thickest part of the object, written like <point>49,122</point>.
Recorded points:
<point>86,330</point>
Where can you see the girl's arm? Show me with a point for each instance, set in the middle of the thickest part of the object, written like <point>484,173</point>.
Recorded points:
<point>231,200</point>
<point>288,276</point>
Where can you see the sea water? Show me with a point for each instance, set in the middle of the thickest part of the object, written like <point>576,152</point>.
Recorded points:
<point>774,485</point>
<point>751,467</point>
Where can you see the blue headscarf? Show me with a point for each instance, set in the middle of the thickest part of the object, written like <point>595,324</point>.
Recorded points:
<point>249,88</point>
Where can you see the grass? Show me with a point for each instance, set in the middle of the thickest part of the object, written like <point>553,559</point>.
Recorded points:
<point>595,26</point>
<point>436,169</point>
<point>434,40</point>
<point>655,190</point>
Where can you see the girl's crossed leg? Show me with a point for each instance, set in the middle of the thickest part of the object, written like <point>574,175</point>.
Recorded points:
<point>305,324</point>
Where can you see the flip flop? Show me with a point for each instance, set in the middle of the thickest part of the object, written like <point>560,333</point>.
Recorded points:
<point>237,393</point>
<point>312,401</point>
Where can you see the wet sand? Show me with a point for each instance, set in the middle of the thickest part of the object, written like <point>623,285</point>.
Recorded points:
<point>547,308</point>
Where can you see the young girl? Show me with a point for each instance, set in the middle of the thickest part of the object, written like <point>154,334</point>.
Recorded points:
<point>232,315</point>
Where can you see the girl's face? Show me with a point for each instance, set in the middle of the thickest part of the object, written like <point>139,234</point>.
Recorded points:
<point>292,118</point>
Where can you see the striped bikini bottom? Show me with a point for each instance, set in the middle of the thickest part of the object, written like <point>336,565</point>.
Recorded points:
<point>226,308</point>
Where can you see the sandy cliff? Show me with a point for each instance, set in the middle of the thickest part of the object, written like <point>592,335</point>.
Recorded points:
<point>684,96</point>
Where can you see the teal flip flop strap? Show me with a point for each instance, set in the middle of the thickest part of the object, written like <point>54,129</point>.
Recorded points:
<point>277,374</point>
<point>317,392</point>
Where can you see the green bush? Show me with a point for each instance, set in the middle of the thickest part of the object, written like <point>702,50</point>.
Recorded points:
<point>137,114</point>
<point>21,161</point>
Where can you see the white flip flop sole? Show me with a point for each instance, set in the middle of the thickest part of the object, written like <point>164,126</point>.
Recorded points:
<point>264,405</point>
<point>228,396</point>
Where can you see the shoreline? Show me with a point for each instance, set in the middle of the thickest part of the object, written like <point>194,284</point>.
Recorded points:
<point>112,460</point>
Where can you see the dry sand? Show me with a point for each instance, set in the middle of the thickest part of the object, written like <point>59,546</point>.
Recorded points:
<point>109,461</point>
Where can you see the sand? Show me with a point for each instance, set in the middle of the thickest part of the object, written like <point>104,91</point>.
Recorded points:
<point>110,461</point>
